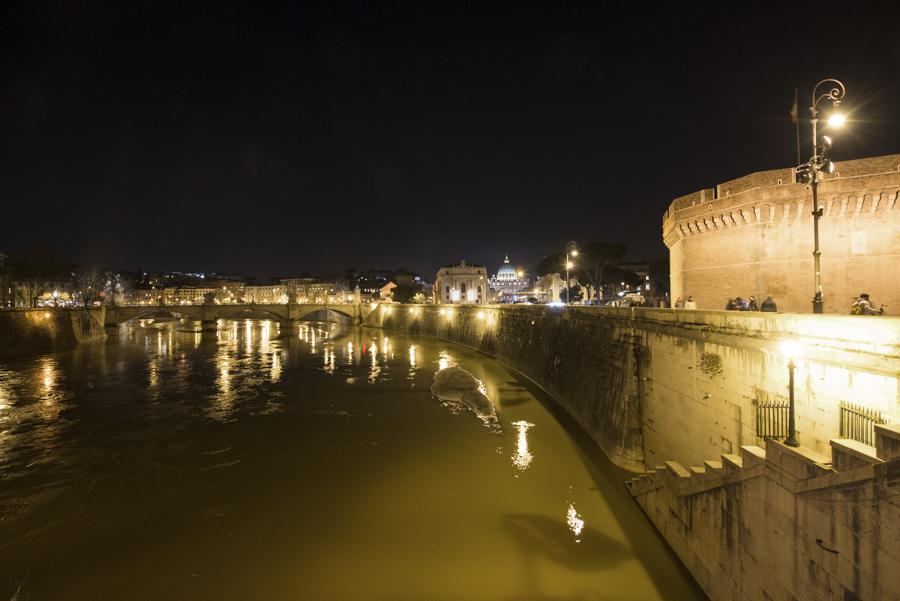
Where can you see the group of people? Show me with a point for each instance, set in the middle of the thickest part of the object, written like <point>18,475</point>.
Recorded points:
<point>734,304</point>
<point>740,304</point>
<point>690,303</point>
<point>861,306</point>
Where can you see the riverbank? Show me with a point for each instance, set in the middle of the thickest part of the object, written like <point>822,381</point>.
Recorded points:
<point>27,332</point>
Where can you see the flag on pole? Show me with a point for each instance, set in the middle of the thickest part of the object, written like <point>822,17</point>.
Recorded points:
<point>794,108</point>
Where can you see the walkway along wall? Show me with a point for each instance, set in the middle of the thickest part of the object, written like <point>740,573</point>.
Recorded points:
<point>651,385</point>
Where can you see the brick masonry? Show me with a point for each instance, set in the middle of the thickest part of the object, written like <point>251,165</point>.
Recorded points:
<point>754,236</point>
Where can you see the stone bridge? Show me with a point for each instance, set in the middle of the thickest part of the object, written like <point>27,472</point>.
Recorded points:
<point>288,315</point>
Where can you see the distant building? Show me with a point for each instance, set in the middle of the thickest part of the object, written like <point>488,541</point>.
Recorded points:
<point>549,288</point>
<point>385,292</point>
<point>192,295</point>
<point>463,283</point>
<point>508,282</point>
<point>266,295</point>
<point>314,291</point>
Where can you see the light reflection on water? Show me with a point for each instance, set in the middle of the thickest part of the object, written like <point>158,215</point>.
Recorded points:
<point>523,457</point>
<point>279,461</point>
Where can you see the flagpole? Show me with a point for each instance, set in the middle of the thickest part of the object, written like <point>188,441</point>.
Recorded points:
<point>796,125</point>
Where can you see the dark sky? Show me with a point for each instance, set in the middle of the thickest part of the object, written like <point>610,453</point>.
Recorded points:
<point>315,137</point>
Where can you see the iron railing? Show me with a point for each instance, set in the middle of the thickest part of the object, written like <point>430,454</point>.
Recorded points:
<point>859,422</point>
<point>772,420</point>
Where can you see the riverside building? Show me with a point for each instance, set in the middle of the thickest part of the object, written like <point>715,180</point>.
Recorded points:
<point>461,284</point>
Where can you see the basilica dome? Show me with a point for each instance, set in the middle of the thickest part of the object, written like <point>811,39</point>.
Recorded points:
<point>506,272</point>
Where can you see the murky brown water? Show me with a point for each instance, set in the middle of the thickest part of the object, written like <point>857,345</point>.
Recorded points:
<point>245,464</point>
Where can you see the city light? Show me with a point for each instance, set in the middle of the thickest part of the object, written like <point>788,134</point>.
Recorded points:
<point>791,349</point>
<point>837,120</point>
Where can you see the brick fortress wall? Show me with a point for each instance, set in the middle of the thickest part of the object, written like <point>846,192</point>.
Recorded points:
<point>754,236</point>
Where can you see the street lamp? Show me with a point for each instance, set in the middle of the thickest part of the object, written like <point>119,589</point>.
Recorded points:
<point>791,350</point>
<point>571,251</point>
<point>820,162</point>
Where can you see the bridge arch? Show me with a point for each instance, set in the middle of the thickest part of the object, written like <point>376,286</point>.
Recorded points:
<point>310,313</point>
<point>248,312</point>
<point>122,314</point>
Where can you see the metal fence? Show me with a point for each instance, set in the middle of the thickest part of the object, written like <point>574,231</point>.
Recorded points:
<point>772,420</point>
<point>859,422</point>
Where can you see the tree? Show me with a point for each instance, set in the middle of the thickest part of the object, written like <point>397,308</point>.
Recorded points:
<point>659,274</point>
<point>34,274</point>
<point>406,293</point>
<point>593,267</point>
<point>88,285</point>
<point>117,286</point>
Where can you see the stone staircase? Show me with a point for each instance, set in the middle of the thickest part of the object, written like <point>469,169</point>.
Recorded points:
<point>799,463</point>
<point>785,522</point>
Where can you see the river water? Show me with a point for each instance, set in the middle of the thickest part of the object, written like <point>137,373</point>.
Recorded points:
<point>316,464</point>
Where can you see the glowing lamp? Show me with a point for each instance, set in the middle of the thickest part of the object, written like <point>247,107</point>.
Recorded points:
<point>569,264</point>
<point>837,120</point>
<point>791,349</point>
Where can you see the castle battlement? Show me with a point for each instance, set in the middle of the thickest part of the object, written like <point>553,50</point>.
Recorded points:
<point>859,187</point>
<point>758,226</point>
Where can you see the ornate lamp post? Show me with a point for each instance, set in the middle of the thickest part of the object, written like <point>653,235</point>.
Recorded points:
<point>571,251</point>
<point>820,162</point>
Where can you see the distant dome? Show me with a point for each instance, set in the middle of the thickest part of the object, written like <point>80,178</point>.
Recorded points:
<point>506,271</point>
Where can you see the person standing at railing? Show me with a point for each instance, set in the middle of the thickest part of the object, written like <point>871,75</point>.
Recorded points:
<point>863,306</point>
<point>769,305</point>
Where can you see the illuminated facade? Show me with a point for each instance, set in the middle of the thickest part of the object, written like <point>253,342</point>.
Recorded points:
<point>311,290</point>
<point>463,283</point>
<point>507,282</point>
<point>754,236</point>
<point>192,295</point>
<point>266,295</point>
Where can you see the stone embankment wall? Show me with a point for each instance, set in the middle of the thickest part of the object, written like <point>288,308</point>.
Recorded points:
<point>651,385</point>
<point>785,523</point>
<point>588,364</point>
<point>25,332</point>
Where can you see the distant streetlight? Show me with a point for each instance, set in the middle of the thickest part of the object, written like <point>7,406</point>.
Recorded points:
<point>791,350</point>
<point>809,172</point>
<point>571,251</point>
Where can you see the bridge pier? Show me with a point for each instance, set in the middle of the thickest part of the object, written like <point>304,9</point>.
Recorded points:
<point>289,325</point>
<point>209,325</point>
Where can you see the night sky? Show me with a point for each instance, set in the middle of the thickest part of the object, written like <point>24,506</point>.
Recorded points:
<point>267,140</point>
